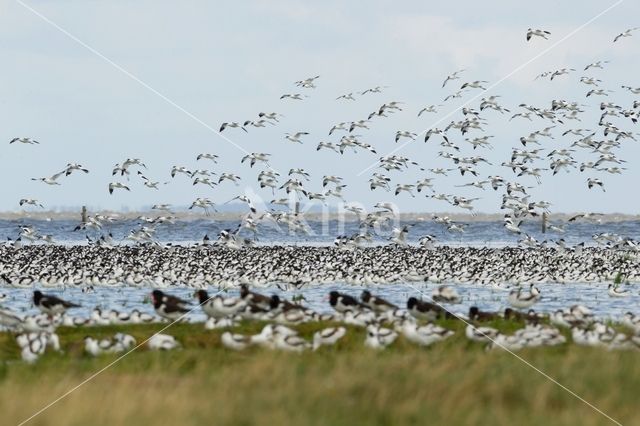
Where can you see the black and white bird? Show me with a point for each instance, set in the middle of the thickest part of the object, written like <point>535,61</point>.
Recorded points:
<point>590,217</point>
<point>428,241</point>
<point>167,306</point>
<point>561,71</point>
<point>476,314</point>
<point>452,76</point>
<point>477,84</point>
<point>295,137</point>
<point>295,96</point>
<point>614,290</point>
<point>328,336</point>
<point>591,182</point>
<point>31,202</point>
<point>424,335</point>
<point>375,303</point>
<point>445,294</point>
<point>634,90</point>
<point>379,337</point>
<point>51,305</point>
<point>519,299</point>
<point>405,134</point>
<point>217,306</point>
<point>424,310</point>
<point>270,116</point>
<point>229,176</point>
<point>625,33</point>
<point>71,167</point>
<point>27,141</point>
<point>162,342</point>
<point>116,185</point>
<point>346,97</point>
<point>307,83</point>
<point>205,156</point>
<point>233,125</point>
<point>237,342</point>
<point>377,89</point>
<point>343,302</point>
<point>52,180</point>
<point>537,33</point>
<point>596,64</point>
<point>480,334</point>
<point>430,108</point>
<point>259,300</point>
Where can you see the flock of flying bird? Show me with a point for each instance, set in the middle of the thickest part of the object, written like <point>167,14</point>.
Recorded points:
<point>527,164</point>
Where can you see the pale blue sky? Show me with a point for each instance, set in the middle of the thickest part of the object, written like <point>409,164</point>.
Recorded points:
<point>225,61</point>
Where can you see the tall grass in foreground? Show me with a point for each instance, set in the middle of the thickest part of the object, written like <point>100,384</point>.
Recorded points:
<point>455,382</point>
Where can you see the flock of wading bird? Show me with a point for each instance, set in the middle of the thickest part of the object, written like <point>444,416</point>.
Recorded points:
<point>383,321</point>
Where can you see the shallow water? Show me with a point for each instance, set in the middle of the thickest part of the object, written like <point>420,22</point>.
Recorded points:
<point>554,296</point>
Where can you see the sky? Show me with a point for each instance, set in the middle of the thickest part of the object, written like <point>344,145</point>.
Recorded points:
<point>97,82</point>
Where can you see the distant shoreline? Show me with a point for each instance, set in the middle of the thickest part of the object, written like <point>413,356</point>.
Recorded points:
<point>311,216</point>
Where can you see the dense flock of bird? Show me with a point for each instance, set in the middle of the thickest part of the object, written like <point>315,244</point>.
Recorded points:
<point>383,321</point>
<point>232,260</point>
<point>588,148</point>
<point>208,265</point>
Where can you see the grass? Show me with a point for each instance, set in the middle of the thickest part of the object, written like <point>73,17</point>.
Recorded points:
<point>454,382</point>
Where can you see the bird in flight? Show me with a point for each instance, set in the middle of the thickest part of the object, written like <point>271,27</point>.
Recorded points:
<point>52,180</point>
<point>537,33</point>
<point>27,141</point>
<point>115,185</point>
<point>295,137</point>
<point>452,76</point>
<point>232,125</point>
<point>31,202</point>
<point>625,33</point>
<point>430,108</point>
<point>308,83</point>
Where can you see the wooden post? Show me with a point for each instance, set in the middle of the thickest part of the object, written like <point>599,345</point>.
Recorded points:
<point>544,222</point>
<point>84,214</point>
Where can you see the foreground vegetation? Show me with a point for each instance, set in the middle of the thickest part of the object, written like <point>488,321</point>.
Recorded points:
<point>454,382</point>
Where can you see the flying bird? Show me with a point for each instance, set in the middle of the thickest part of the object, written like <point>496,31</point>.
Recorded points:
<point>307,83</point>
<point>233,125</point>
<point>52,180</point>
<point>625,33</point>
<point>430,108</point>
<point>31,201</point>
<point>71,167</point>
<point>295,137</point>
<point>597,64</point>
<point>452,76</point>
<point>116,185</point>
<point>294,96</point>
<point>27,141</point>
<point>537,33</point>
